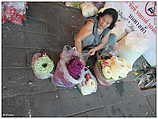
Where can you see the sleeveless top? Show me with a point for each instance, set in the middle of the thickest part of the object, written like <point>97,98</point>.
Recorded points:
<point>94,38</point>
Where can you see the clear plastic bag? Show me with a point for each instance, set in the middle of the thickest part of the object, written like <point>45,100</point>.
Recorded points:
<point>88,9</point>
<point>89,83</point>
<point>61,75</point>
<point>42,65</point>
<point>147,79</point>
<point>111,69</point>
<point>100,77</point>
<point>132,46</point>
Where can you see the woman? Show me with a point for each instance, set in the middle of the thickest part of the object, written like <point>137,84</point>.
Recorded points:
<point>95,35</point>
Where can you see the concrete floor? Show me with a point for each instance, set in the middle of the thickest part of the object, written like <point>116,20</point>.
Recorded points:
<point>51,26</point>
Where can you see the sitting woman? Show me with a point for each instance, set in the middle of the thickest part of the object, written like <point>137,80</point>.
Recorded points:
<point>94,37</point>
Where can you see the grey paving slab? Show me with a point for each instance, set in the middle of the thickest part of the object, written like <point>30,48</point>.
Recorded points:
<point>126,89</point>
<point>103,112</point>
<point>118,92</point>
<point>135,107</point>
<point>71,20</point>
<point>107,94</point>
<point>33,40</point>
<point>152,103</point>
<point>23,82</point>
<point>12,27</point>
<point>84,114</point>
<point>13,57</point>
<point>12,38</point>
<point>17,106</point>
<point>35,25</point>
<point>38,85</point>
<point>74,16</point>
<point>49,15</point>
<point>14,82</point>
<point>70,33</point>
<point>37,10</point>
<point>73,102</point>
<point>149,92</point>
<point>46,104</point>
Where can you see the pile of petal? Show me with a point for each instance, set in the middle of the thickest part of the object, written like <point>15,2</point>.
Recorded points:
<point>115,68</point>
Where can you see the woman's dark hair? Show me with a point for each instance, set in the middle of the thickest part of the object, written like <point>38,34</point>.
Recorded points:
<point>113,13</point>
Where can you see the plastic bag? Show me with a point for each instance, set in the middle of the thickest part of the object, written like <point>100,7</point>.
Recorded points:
<point>61,76</point>
<point>88,9</point>
<point>89,83</point>
<point>42,65</point>
<point>100,77</point>
<point>14,12</point>
<point>147,79</point>
<point>132,46</point>
<point>112,69</point>
<point>73,4</point>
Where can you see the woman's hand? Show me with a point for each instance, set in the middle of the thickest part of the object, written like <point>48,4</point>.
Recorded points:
<point>92,51</point>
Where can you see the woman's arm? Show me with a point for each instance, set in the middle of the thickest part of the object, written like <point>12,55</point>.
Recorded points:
<point>103,42</point>
<point>84,32</point>
<point>100,46</point>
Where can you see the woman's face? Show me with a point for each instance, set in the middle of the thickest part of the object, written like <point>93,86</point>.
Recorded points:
<point>105,21</point>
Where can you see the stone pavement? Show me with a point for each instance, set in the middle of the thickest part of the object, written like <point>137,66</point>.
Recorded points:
<point>51,26</point>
